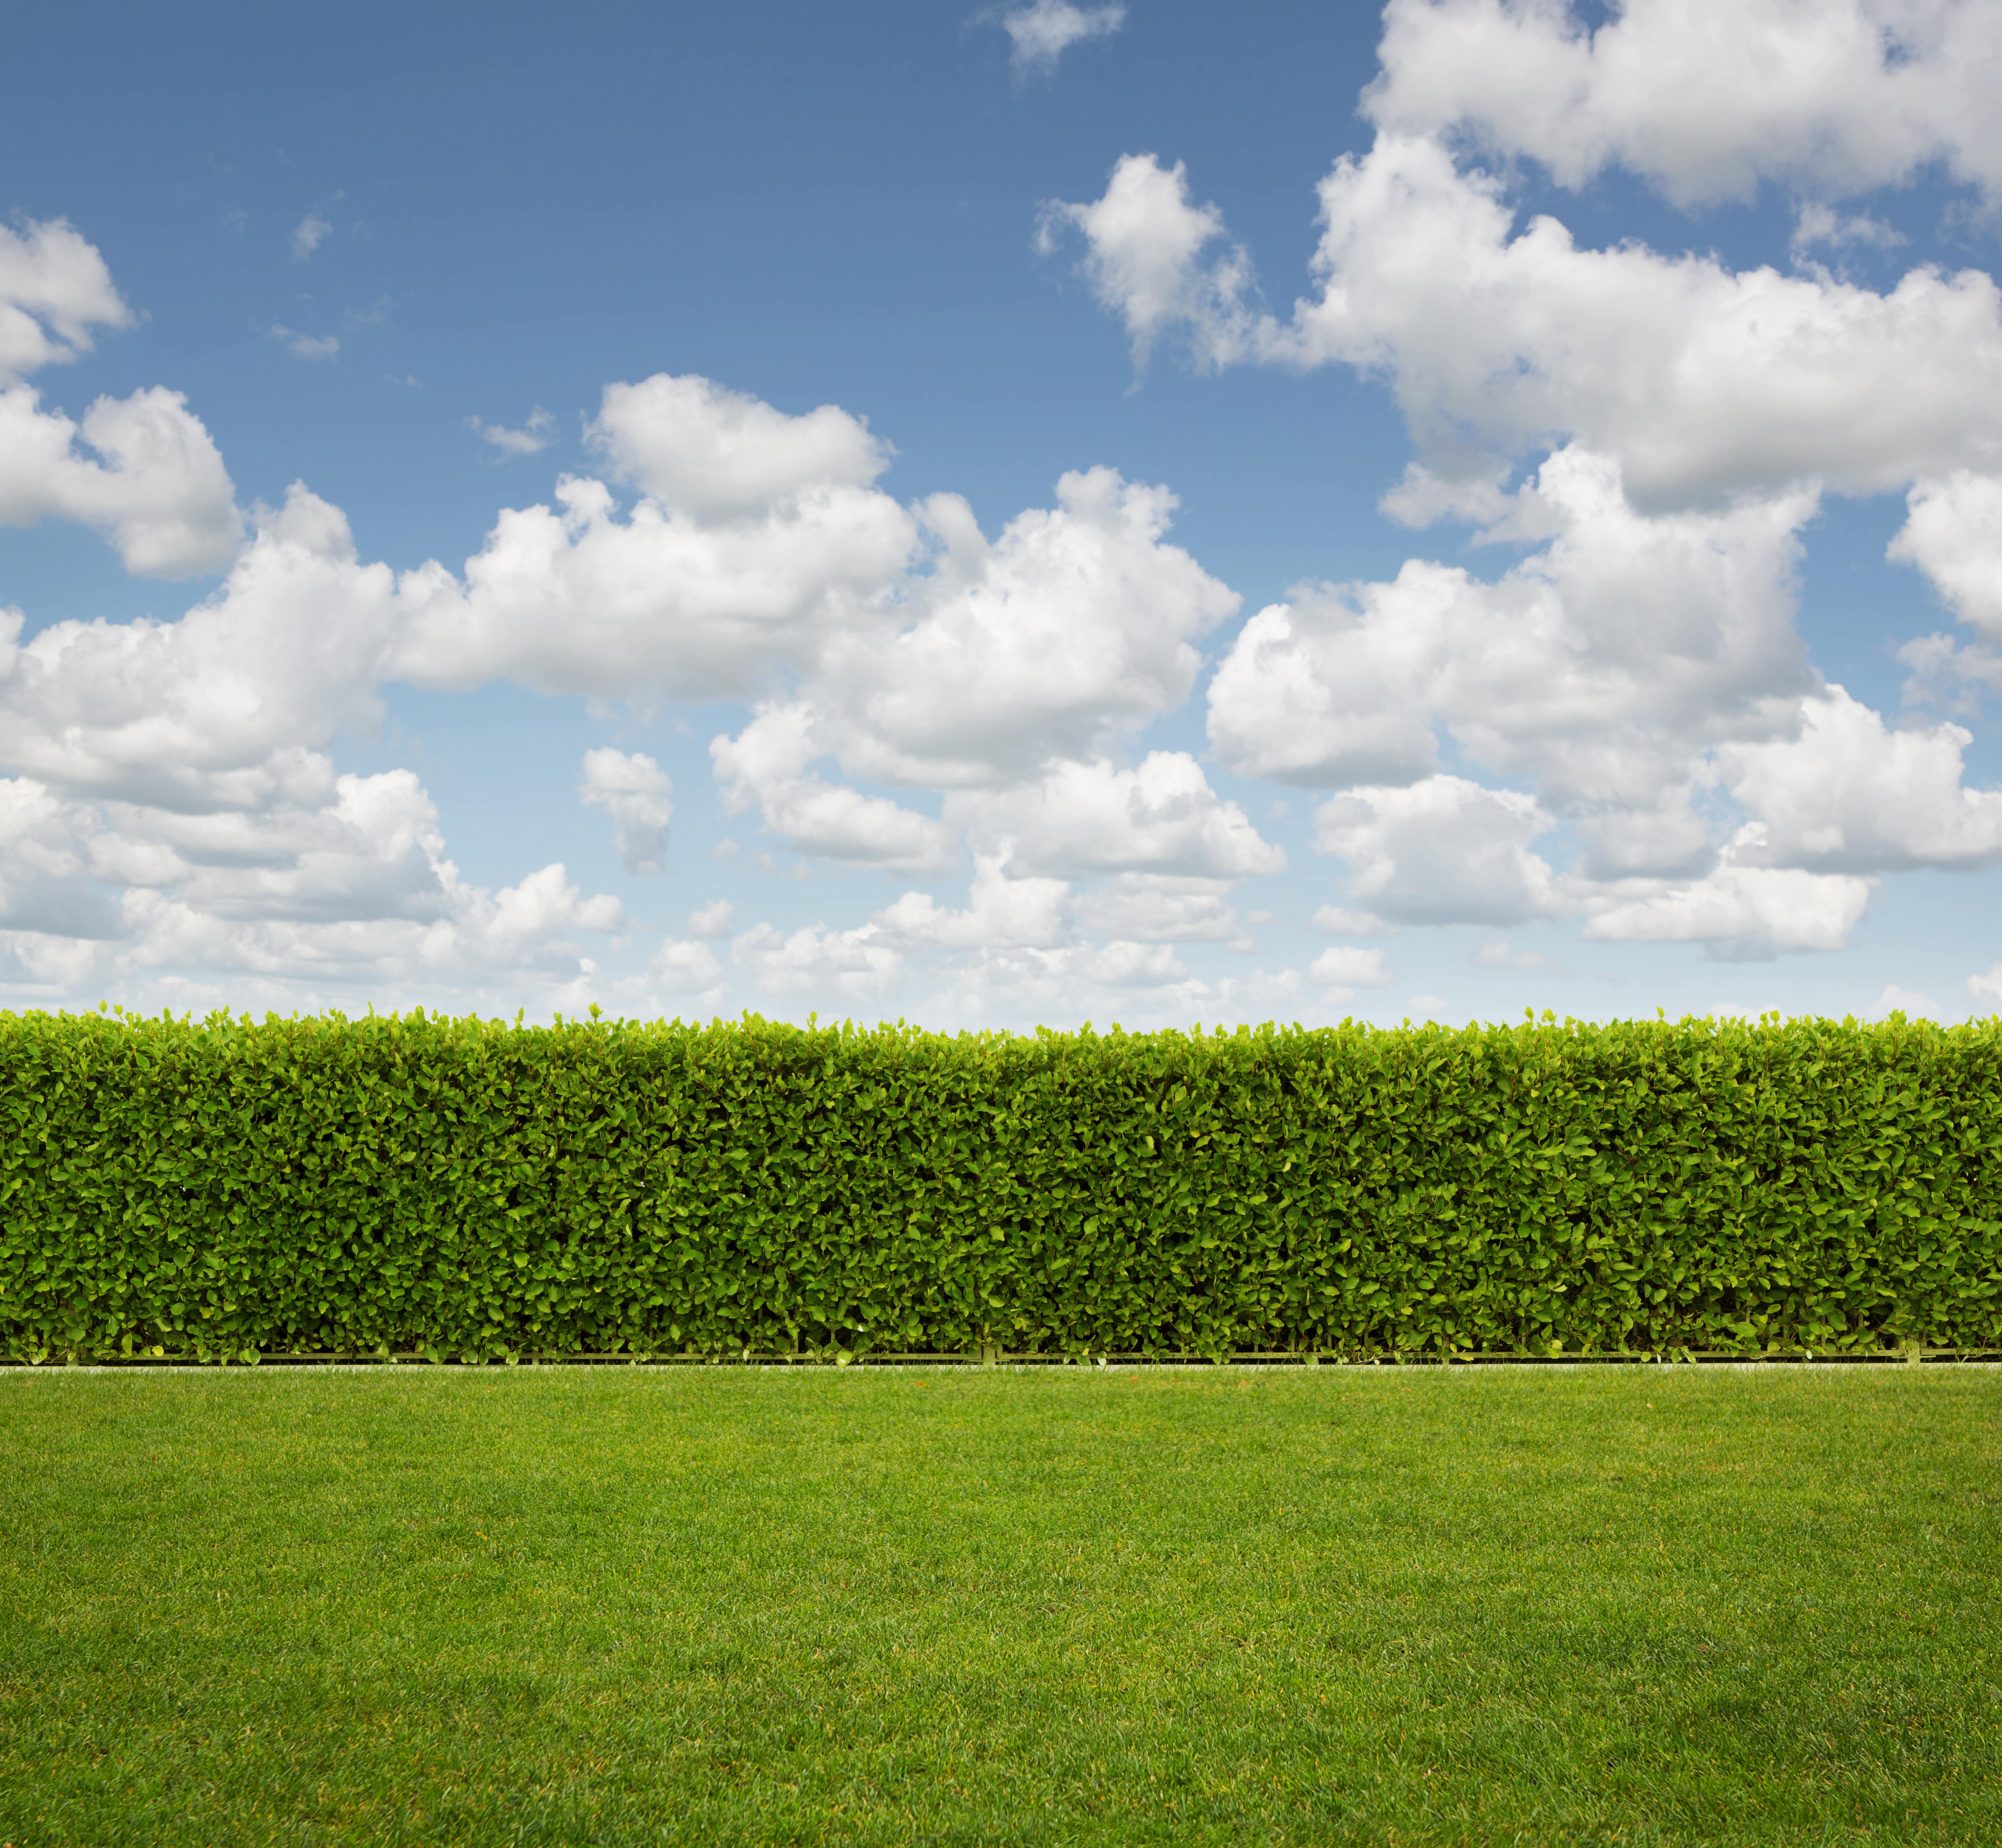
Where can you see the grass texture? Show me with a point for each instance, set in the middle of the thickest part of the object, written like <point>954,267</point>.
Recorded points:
<point>1647,1606</point>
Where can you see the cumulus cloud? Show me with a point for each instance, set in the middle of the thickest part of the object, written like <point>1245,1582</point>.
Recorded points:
<point>855,966</point>
<point>926,654</point>
<point>1163,263</point>
<point>208,713</point>
<point>1338,921</point>
<point>1149,907</point>
<point>1603,668</point>
<point>920,690</point>
<point>1953,533</point>
<point>1741,913</point>
<point>759,550</point>
<point>534,435</point>
<point>1698,380</point>
<point>686,967</point>
<point>720,455</point>
<point>1076,625</point>
<point>1000,912</point>
<point>167,810</point>
<point>142,469</point>
<point>1819,225</point>
<point>636,793</point>
<point>54,289</point>
<point>333,880</point>
<point>768,763</point>
<point>759,545</point>
<point>1848,794</point>
<point>1126,982</point>
<point>1351,968</point>
<point>1640,670</point>
<point>1041,33</point>
<point>1442,851</point>
<point>1161,817</point>
<point>1704,99</point>
<point>169,813</point>
<point>171,799</point>
<point>755,538</point>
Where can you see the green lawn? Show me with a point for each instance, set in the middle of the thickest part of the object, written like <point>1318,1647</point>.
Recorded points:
<point>1634,1605</point>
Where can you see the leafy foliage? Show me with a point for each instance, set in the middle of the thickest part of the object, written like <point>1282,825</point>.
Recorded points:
<point>468,1188</point>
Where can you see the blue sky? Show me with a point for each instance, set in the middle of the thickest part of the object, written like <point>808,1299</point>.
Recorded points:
<point>1664,679</point>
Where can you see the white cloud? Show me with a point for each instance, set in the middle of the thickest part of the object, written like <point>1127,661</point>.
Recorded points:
<point>1121,981</point>
<point>322,849</point>
<point>1443,851</point>
<point>160,491</point>
<point>718,919</point>
<point>683,967</point>
<point>1260,996</point>
<point>1698,381</point>
<point>46,867</point>
<point>1986,988</point>
<point>172,815</point>
<point>855,966</point>
<point>1741,912</point>
<point>1144,257</point>
<point>635,792</point>
<point>720,455</point>
<point>173,819</point>
<point>1848,795</point>
<point>1953,533</point>
<point>535,434</point>
<point>1603,666</point>
<point>1338,921</point>
<point>1041,33</point>
<point>1126,965</point>
<point>307,235</point>
<point>1162,908</point>
<point>767,763</point>
<point>1161,817</point>
<point>1076,625</point>
<point>216,710</point>
<point>1643,659</point>
<point>1424,496</point>
<point>306,346</point>
<point>1817,224</point>
<point>1351,967</point>
<point>54,289</point>
<point>756,539</point>
<point>1001,912</point>
<point>1703,97</point>
<point>925,653</point>
<point>333,880</point>
<point>180,812</point>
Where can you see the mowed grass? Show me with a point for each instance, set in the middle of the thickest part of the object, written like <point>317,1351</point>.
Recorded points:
<point>1644,1605</point>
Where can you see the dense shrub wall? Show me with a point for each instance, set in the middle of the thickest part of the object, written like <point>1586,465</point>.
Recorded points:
<point>463,1187</point>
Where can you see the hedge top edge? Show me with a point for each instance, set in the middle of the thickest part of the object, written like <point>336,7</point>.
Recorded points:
<point>225,1020</point>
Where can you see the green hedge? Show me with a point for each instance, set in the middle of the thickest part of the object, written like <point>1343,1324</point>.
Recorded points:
<point>467,1188</point>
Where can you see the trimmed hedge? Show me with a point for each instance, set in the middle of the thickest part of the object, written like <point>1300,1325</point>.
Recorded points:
<point>470,1189</point>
